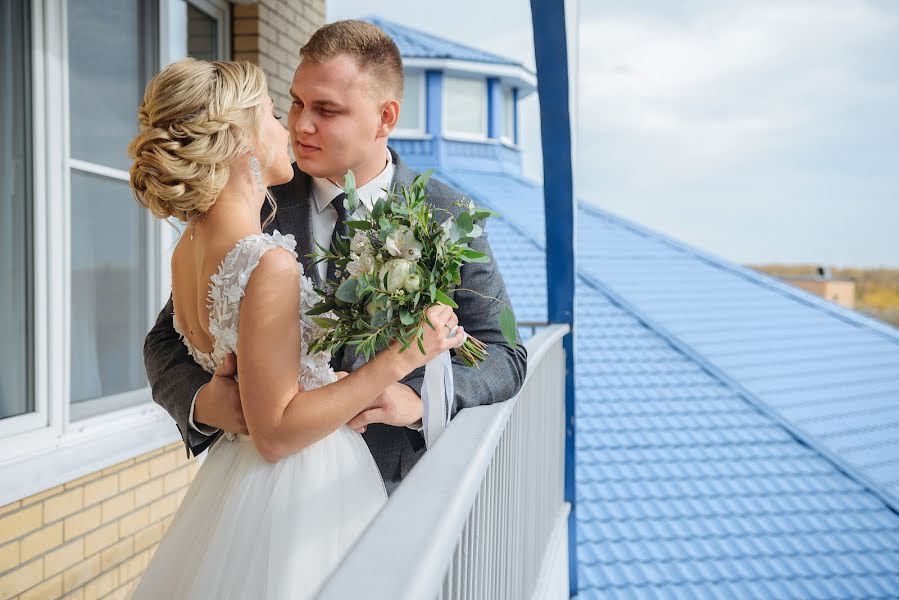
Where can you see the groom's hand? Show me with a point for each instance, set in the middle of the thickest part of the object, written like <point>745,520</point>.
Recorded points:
<point>218,403</point>
<point>399,405</point>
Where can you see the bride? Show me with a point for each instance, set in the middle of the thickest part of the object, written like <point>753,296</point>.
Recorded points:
<point>269,514</point>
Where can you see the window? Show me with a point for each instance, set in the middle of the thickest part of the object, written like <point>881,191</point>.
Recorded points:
<point>412,111</point>
<point>111,57</point>
<point>83,268</point>
<point>207,29</point>
<point>16,354</point>
<point>508,116</point>
<point>465,107</point>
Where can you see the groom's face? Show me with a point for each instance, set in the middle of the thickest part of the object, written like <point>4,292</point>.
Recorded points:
<point>335,118</point>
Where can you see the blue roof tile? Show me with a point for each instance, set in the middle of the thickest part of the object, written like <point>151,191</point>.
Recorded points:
<point>693,379</point>
<point>414,43</point>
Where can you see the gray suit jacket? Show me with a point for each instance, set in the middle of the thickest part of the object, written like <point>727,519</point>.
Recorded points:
<point>175,378</point>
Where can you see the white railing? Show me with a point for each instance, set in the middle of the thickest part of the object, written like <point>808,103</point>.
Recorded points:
<point>482,514</point>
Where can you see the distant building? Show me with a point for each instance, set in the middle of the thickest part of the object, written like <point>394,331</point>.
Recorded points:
<point>840,290</point>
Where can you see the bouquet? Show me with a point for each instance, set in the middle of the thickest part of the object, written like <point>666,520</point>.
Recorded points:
<point>392,266</point>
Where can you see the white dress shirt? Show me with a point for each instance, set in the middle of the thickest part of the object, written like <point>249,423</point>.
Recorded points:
<point>323,222</point>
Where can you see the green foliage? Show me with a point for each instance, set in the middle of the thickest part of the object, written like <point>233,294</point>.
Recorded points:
<point>360,310</point>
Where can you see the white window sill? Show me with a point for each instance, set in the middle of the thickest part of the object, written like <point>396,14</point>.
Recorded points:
<point>410,135</point>
<point>467,137</point>
<point>45,458</point>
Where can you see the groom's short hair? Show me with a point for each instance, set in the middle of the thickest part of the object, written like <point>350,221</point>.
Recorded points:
<point>375,51</point>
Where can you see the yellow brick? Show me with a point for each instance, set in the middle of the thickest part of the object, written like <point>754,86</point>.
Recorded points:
<point>163,508</point>
<point>133,476</point>
<point>175,481</point>
<point>76,595</point>
<point>148,536</point>
<point>134,521</point>
<point>83,480</point>
<point>78,574</point>
<point>10,507</point>
<point>63,505</point>
<point>132,567</point>
<point>101,489</point>
<point>116,553</point>
<point>42,495</point>
<point>120,593</point>
<point>63,558</point>
<point>52,588</point>
<point>22,578</point>
<point>101,538</point>
<point>20,522</point>
<point>117,467</point>
<point>82,522</point>
<point>41,541</point>
<point>118,506</point>
<point>101,586</point>
<point>146,493</point>
<point>9,556</point>
<point>162,464</point>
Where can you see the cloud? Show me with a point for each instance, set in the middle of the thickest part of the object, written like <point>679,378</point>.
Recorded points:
<point>724,110</point>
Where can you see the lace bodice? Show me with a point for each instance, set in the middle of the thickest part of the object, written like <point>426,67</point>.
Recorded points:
<point>226,289</point>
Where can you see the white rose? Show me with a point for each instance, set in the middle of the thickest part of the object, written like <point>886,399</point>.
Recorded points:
<point>412,283</point>
<point>396,270</point>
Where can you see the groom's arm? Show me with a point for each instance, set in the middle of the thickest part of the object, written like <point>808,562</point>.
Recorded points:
<point>175,379</point>
<point>502,373</point>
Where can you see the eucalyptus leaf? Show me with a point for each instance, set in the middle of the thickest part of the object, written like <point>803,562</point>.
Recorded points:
<point>358,224</point>
<point>325,322</point>
<point>406,317</point>
<point>443,298</point>
<point>320,308</point>
<point>347,292</point>
<point>507,325</point>
<point>464,222</point>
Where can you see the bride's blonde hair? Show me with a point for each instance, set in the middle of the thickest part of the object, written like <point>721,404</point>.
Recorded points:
<point>196,118</point>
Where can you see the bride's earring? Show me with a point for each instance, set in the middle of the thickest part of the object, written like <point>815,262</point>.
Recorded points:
<point>257,172</point>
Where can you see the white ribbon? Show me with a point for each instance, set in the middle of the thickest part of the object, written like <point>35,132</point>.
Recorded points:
<point>436,395</point>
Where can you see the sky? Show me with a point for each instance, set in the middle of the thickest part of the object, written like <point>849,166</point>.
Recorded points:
<point>763,131</point>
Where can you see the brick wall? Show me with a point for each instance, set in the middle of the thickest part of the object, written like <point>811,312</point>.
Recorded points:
<point>270,33</point>
<point>91,537</point>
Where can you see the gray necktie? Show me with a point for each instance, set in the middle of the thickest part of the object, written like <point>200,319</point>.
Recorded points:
<point>339,229</point>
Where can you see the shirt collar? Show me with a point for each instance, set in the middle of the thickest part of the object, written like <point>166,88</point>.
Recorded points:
<point>324,191</point>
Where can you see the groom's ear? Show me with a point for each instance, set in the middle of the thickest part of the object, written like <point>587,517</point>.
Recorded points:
<point>390,113</point>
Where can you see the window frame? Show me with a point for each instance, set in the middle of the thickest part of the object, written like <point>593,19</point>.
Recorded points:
<point>465,135</point>
<point>45,447</point>
<point>418,132</point>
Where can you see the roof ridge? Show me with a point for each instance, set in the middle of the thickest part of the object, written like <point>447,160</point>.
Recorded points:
<point>498,58</point>
<point>853,317</point>
<point>798,433</point>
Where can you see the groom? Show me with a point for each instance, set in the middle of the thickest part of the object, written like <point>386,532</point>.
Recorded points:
<point>346,94</point>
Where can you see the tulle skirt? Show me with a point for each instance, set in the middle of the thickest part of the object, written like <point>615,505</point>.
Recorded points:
<point>248,529</point>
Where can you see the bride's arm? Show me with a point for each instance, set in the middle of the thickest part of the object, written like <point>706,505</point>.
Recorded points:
<point>281,418</point>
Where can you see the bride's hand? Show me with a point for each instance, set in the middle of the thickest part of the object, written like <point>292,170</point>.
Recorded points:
<point>435,340</point>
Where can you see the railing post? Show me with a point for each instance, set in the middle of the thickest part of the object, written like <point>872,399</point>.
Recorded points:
<point>551,53</point>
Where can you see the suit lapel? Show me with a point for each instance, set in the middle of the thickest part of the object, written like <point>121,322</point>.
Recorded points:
<point>295,210</point>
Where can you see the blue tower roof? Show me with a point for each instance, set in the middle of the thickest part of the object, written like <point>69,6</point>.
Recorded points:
<point>414,43</point>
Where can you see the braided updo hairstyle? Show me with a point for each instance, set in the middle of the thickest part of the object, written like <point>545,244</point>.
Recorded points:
<point>196,118</point>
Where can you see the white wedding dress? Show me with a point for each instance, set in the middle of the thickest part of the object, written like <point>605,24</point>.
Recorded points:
<point>248,529</point>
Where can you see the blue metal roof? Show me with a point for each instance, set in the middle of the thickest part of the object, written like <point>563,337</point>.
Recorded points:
<point>720,416</point>
<point>414,43</point>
